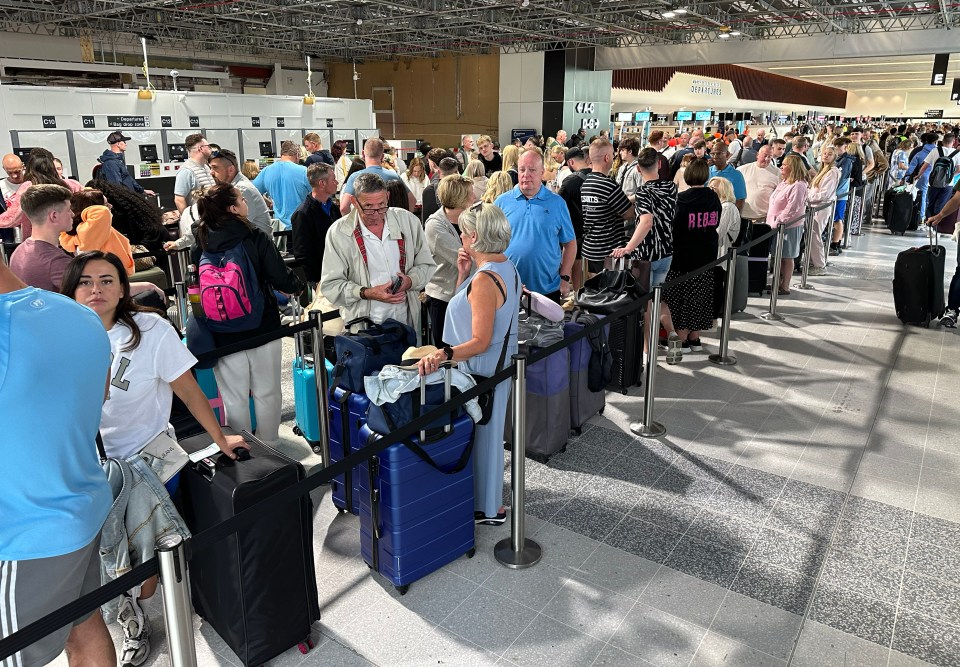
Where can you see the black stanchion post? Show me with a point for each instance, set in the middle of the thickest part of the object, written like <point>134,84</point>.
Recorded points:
<point>775,279</point>
<point>518,551</point>
<point>175,591</point>
<point>323,392</point>
<point>808,232</point>
<point>724,358</point>
<point>648,427</point>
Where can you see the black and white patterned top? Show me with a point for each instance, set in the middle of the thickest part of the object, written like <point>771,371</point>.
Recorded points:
<point>658,198</point>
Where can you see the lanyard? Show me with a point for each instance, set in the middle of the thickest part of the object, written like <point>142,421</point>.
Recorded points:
<point>358,236</point>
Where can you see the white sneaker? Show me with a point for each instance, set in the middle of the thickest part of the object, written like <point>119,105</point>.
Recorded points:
<point>817,271</point>
<point>674,349</point>
<point>136,632</point>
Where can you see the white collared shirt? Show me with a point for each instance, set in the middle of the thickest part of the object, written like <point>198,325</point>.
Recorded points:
<point>383,264</point>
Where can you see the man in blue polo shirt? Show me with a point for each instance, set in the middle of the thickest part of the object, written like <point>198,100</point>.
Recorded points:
<point>55,495</point>
<point>720,155</point>
<point>373,159</point>
<point>541,227</point>
<point>285,181</point>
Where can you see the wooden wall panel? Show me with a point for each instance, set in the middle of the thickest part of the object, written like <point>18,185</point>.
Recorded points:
<point>750,84</point>
<point>425,95</point>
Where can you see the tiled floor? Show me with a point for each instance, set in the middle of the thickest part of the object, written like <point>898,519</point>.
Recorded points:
<point>802,509</point>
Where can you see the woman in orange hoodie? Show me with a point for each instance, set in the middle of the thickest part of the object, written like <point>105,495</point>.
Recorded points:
<point>93,229</point>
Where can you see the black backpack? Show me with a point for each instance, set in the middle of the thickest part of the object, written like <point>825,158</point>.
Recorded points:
<point>941,175</point>
<point>600,370</point>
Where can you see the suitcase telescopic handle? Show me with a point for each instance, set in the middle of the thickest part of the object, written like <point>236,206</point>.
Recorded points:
<point>447,390</point>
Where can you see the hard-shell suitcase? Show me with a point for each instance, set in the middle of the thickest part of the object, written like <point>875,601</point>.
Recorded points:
<point>918,283</point>
<point>548,405</point>
<point>626,344</point>
<point>257,588</point>
<point>759,259</point>
<point>307,419</point>
<point>583,402</point>
<point>740,280</point>
<point>348,414</point>
<point>208,385</point>
<point>898,211</point>
<point>416,501</point>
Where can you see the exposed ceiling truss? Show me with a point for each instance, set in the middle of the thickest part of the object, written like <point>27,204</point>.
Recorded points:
<point>379,29</point>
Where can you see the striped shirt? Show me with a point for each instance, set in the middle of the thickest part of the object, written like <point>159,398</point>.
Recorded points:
<point>658,198</point>
<point>603,204</point>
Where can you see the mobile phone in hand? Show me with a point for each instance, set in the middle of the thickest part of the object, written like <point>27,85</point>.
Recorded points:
<point>395,285</point>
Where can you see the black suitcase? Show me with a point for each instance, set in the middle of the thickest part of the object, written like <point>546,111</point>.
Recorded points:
<point>918,283</point>
<point>898,211</point>
<point>759,259</point>
<point>626,345</point>
<point>257,588</point>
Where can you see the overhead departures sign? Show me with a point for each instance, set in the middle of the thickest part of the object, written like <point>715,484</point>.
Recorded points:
<point>941,62</point>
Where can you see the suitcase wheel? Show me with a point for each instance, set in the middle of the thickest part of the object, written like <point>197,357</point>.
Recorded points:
<point>600,411</point>
<point>296,430</point>
<point>578,431</point>
<point>305,645</point>
<point>472,552</point>
<point>317,449</point>
<point>402,590</point>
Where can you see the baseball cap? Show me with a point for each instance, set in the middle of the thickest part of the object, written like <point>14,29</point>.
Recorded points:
<point>117,137</point>
<point>573,153</point>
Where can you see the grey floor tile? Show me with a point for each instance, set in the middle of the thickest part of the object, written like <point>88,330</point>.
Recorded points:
<point>939,505</point>
<point>613,494</point>
<point>546,641</point>
<point>563,549</point>
<point>542,502</point>
<point>802,520</point>
<point>692,489</point>
<point>684,596</point>
<point>755,482</point>
<point>932,561</point>
<point>785,589</point>
<point>939,532</point>
<point>617,570</point>
<point>658,637</point>
<point>884,490</point>
<point>758,625</point>
<point>724,531</point>
<point>436,595</point>
<point>889,468</point>
<point>715,649</point>
<point>592,610</point>
<point>853,613</point>
<point>878,516</point>
<point>440,646</point>
<point>705,561</point>
<point>489,620</point>
<point>611,656</point>
<point>744,507</point>
<point>533,587</point>
<point>928,639</point>
<point>800,553</point>
<point>874,578</point>
<point>587,518</point>
<point>931,597</point>
<point>811,496</point>
<point>643,539</point>
<point>609,439</point>
<point>332,654</point>
<point>641,474</point>
<point>699,465</point>
<point>871,543</point>
<point>582,456</point>
<point>568,482</point>
<point>664,510</point>
<point>822,646</point>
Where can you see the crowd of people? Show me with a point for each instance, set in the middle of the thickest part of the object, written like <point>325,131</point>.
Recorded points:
<point>456,234</point>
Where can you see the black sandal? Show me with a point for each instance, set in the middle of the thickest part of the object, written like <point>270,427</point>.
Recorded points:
<point>482,519</point>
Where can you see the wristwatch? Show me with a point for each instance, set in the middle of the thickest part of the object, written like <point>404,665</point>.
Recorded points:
<point>363,292</point>
<point>447,350</point>
<point>564,277</point>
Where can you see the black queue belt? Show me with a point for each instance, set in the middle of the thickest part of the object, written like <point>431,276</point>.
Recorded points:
<point>263,339</point>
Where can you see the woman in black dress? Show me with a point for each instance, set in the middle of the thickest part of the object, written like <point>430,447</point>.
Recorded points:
<point>695,243</point>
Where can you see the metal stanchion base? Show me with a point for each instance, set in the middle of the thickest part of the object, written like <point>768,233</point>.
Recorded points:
<point>517,560</point>
<point>799,286</point>
<point>651,430</point>
<point>721,360</point>
<point>776,317</point>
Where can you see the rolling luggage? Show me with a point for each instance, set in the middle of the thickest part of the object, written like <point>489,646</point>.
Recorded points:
<point>584,401</point>
<point>740,280</point>
<point>626,344</point>
<point>367,351</point>
<point>257,588</point>
<point>416,500</point>
<point>348,413</point>
<point>898,210</point>
<point>548,405</point>
<point>307,418</point>
<point>918,283</point>
<point>759,259</point>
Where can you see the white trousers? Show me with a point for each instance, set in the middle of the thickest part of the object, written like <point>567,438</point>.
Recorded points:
<point>253,372</point>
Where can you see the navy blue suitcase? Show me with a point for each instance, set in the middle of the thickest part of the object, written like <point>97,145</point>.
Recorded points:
<point>345,488</point>
<point>416,503</point>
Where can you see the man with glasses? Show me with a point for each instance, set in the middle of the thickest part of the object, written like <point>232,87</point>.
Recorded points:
<point>225,169</point>
<point>376,260</point>
<point>720,168</point>
<point>194,173</point>
<point>113,165</point>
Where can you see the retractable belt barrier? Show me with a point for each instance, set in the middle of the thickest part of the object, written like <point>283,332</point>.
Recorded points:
<point>92,601</point>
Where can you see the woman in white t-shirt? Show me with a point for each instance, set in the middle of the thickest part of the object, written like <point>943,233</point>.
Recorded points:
<point>148,365</point>
<point>416,180</point>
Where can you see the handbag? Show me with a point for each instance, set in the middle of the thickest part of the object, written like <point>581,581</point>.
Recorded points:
<point>368,350</point>
<point>609,291</point>
<point>163,455</point>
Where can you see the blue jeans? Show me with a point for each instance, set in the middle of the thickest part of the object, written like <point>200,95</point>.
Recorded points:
<point>658,271</point>
<point>936,200</point>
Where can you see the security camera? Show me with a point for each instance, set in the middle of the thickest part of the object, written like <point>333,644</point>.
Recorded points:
<point>174,73</point>
<point>356,76</point>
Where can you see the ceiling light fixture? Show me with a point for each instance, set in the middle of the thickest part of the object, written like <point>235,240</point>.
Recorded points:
<point>724,35</point>
<point>681,10</point>
<point>735,33</point>
<point>668,15</point>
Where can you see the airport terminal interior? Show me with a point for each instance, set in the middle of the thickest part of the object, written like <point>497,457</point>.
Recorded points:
<point>801,504</point>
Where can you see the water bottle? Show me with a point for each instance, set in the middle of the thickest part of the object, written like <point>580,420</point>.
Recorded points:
<point>193,290</point>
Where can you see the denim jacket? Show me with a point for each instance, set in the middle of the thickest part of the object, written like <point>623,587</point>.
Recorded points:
<point>142,512</point>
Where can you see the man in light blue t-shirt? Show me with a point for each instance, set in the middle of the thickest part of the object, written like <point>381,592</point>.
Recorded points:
<point>373,159</point>
<point>286,183</point>
<point>720,155</point>
<point>543,245</point>
<point>55,494</point>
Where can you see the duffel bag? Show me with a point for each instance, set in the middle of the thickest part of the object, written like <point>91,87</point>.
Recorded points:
<point>368,350</point>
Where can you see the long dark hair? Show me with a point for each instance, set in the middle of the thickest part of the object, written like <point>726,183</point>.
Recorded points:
<point>40,168</point>
<point>134,216</point>
<point>81,201</point>
<point>339,146</point>
<point>397,194</point>
<point>127,306</point>
<point>213,210</point>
